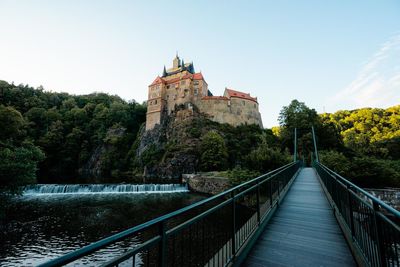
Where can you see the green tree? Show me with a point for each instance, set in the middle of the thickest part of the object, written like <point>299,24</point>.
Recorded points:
<point>266,157</point>
<point>214,154</point>
<point>298,115</point>
<point>18,166</point>
<point>11,122</point>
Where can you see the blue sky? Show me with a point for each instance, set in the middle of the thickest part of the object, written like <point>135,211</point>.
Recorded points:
<point>329,54</point>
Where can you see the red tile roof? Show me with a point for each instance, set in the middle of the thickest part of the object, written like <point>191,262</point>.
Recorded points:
<point>157,81</point>
<point>214,98</point>
<point>198,76</point>
<point>234,93</point>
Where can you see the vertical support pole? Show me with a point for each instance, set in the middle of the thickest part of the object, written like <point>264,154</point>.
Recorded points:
<point>258,202</point>
<point>270,192</point>
<point>233,225</point>
<point>162,261</point>
<point>379,236</point>
<point>315,144</point>
<point>350,210</point>
<point>295,145</point>
<point>279,191</point>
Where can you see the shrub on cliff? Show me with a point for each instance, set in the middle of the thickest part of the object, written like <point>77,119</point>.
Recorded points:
<point>214,154</point>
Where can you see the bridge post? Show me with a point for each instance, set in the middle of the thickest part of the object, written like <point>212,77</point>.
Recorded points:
<point>270,193</point>
<point>351,211</point>
<point>379,237</point>
<point>295,145</point>
<point>233,225</point>
<point>315,144</point>
<point>258,202</point>
<point>162,260</point>
<point>279,185</point>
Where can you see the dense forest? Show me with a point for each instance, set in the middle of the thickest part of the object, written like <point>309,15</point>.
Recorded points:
<point>370,154</point>
<point>56,135</point>
<point>362,145</point>
<point>50,137</point>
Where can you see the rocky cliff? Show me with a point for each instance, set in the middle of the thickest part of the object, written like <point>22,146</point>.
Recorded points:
<point>176,146</point>
<point>171,148</point>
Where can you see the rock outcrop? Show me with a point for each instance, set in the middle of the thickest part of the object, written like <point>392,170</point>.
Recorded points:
<point>171,148</point>
<point>93,170</point>
<point>206,184</point>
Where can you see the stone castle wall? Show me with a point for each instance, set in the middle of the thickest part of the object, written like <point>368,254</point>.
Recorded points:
<point>233,111</point>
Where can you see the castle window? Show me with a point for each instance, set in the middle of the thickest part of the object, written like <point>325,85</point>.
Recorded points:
<point>196,91</point>
<point>167,86</point>
<point>244,103</point>
<point>155,102</point>
<point>196,82</point>
<point>182,82</point>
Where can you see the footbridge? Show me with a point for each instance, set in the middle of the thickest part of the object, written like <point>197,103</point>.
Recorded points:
<point>291,216</point>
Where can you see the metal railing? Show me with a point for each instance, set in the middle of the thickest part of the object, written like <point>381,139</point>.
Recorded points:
<point>371,225</point>
<point>212,232</point>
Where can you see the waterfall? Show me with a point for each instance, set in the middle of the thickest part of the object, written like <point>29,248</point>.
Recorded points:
<point>103,188</point>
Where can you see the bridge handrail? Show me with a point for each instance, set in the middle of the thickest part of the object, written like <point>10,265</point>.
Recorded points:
<point>86,250</point>
<point>371,226</point>
<point>373,199</point>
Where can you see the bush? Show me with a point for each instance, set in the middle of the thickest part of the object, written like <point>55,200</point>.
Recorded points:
<point>363,170</point>
<point>374,173</point>
<point>336,161</point>
<point>152,155</point>
<point>239,175</point>
<point>265,158</point>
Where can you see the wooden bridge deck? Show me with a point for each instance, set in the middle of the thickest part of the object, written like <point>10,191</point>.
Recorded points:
<point>303,232</point>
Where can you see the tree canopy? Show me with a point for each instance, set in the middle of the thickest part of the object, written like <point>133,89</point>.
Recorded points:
<point>63,132</point>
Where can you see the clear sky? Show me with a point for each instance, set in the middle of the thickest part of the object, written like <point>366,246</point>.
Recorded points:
<point>329,54</point>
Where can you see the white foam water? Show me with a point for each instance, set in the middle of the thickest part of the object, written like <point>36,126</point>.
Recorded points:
<point>103,188</point>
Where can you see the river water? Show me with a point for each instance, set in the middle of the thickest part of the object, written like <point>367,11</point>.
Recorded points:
<point>41,226</point>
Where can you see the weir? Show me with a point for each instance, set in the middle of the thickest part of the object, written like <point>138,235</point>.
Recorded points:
<point>103,188</point>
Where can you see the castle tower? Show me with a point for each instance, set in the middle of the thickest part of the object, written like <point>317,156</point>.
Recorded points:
<point>176,62</point>
<point>178,85</point>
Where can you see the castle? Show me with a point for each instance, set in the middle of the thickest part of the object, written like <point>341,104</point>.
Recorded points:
<point>180,86</point>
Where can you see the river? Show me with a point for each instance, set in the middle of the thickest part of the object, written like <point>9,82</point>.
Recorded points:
<point>39,226</point>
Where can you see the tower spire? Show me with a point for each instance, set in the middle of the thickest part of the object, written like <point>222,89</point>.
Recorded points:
<point>164,72</point>
<point>176,62</point>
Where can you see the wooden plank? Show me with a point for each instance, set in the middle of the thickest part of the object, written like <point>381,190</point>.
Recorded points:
<point>304,231</point>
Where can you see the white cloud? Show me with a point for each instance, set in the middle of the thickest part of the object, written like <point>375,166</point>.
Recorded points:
<point>378,82</point>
